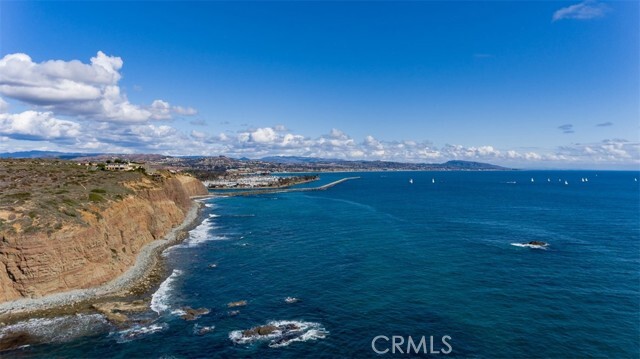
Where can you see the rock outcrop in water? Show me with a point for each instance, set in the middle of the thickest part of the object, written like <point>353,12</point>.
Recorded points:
<point>99,245</point>
<point>115,311</point>
<point>193,314</point>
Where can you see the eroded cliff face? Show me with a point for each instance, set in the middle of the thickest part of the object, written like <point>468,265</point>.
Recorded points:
<point>99,250</point>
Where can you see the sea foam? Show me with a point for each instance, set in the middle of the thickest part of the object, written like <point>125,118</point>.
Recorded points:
<point>138,332</point>
<point>527,245</point>
<point>287,332</point>
<point>58,329</point>
<point>199,235</point>
<point>160,299</point>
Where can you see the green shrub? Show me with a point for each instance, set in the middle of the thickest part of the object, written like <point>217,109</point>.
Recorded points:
<point>94,197</point>
<point>98,190</point>
<point>20,195</point>
<point>69,202</point>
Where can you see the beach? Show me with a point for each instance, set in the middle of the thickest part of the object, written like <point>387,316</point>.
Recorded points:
<point>142,273</point>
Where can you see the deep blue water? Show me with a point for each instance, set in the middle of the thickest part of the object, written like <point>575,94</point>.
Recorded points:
<point>380,256</point>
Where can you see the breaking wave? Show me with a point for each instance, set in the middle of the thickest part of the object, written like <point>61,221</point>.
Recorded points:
<point>527,245</point>
<point>138,332</point>
<point>53,330</point>
<point>159,300</point>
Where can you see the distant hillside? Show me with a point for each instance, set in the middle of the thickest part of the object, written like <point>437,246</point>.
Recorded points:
<point>469,165</point>
<point>297,159</point>
<point>45,154</point>
<point>220,164</point>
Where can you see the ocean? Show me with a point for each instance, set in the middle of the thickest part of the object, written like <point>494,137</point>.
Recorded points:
<point>380,261</point>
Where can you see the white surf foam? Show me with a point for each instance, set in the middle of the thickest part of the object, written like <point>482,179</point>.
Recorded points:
<point>58,329</point>
<point>287,332</point>
<point>527,245</point>
<point>138,332</point>
<point>202,330</point>
<point>178,312</point>
<point>160,299</point>
<point>199,235</point>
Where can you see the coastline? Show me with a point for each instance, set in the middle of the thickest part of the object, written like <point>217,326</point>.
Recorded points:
<point>147,262</point>
<point>260,191</point>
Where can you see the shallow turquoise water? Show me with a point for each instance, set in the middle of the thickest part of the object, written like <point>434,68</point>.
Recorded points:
<point>381,256</point>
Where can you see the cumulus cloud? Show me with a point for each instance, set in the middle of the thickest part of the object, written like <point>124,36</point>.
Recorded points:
<point>583,11</point>
<point>566,128</point>
<point>78,89</point>
<point>61,134</point>
<point>265,135</point>
<point>37,126</point>
<point>609,150</point>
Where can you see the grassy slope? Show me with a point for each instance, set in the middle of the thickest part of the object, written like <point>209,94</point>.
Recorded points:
<point>44,195</point>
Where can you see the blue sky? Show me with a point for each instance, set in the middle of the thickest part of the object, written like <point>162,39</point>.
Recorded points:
<point>528,84</point>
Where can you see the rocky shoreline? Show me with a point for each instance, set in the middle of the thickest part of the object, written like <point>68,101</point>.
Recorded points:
<point>147,272</point>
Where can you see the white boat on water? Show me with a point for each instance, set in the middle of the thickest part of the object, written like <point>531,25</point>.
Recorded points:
<point>433,180</point>
<point>565,182</point>
<point>411,180</point>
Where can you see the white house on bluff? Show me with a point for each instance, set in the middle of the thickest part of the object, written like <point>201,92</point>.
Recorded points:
<point>131,166</point>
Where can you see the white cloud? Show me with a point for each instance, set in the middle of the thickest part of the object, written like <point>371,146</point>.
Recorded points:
<point>198,135</point>
<point>77,89</point>
<point>66,135</point>
<point>37,126</point>
<point>609,150</point>
<point>162,110</point>
<point>265,135</point>
<point>583,11</point>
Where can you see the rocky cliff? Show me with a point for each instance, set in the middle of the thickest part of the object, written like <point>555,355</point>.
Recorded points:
<point>100,243</point>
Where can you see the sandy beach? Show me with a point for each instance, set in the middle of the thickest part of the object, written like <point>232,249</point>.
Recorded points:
<point>146,261</point>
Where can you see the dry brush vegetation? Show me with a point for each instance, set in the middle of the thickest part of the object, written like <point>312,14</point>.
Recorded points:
<point>44,195</point>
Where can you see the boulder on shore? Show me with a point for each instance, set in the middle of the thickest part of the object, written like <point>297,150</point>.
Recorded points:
<point>115,311</point>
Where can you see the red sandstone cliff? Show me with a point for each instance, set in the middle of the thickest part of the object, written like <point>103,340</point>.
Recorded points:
<point>105,246</point>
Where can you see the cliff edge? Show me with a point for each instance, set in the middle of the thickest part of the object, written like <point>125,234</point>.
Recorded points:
<point>73,234</point>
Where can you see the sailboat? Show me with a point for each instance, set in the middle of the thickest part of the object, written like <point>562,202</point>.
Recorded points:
<point>532,180</point>
<point>565,182</point>
<point>411,180</point>
<point>433,180</point>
